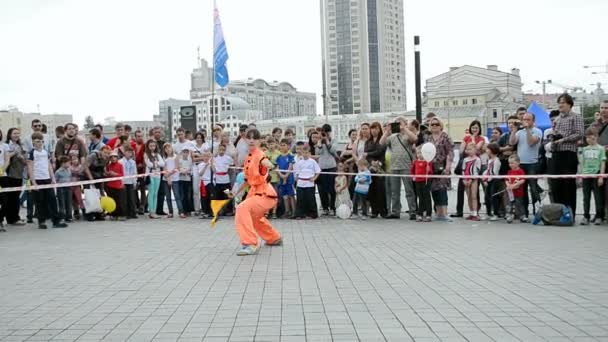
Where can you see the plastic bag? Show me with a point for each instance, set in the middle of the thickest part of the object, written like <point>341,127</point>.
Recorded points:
<point>92,201</point>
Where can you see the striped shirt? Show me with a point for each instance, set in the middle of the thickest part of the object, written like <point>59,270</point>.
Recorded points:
<point>570,126</point>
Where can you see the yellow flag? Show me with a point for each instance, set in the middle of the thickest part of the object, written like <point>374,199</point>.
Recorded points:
<point>216,206</point>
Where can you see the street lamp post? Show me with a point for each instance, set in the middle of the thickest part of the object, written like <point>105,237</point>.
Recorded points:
<point>544,84</point>
<point>418,85</point>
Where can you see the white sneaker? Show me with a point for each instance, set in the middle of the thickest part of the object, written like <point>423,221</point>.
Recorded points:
<point>492,218</point>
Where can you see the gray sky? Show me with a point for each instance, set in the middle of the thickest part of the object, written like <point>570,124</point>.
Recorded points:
<point>118,58</point>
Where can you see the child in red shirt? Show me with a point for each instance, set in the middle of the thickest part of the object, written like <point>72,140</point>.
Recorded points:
<point>116,189</point>
<point>515,190</point>
<point>420,169</point>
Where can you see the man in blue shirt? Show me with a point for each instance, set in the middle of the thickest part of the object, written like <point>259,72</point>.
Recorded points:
<point>528,141</point>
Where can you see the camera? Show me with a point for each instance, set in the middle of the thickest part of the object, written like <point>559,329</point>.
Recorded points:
<point>556,136</point>
<point>395,127</point>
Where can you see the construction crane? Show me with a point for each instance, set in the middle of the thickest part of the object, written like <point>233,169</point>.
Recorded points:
<point>604,67</point>
<point>567,88</point>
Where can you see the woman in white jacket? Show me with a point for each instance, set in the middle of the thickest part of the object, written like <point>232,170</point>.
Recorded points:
<point>154,162</point>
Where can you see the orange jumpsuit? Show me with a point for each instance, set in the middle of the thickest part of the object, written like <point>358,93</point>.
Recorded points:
<point>250,214</point>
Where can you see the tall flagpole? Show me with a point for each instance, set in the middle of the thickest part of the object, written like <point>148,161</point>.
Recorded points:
<point>220,71</point>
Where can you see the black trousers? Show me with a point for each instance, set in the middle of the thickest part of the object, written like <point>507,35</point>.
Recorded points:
<point>46,202</point>
<point>423,193</point>
<point>11,207</point>
<point>119,196</point>
<point>590,186</point>
<point>327,189</point>
<point>565,163</point>
<point>493,202</point>
<point>206,201</point>
<point>306,203</point>
<point>377,196</point>
<point>221,195</point>
<point>64,202</point>
<point>30,213</point>
<point>131,200</point>
<point>160,199</point>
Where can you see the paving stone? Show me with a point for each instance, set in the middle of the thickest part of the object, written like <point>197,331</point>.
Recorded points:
<point>178,280</point>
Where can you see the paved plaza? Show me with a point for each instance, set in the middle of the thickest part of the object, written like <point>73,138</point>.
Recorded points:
<point>332,280</point>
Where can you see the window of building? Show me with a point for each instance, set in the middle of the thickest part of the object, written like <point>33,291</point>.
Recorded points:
<point>474,101</point>
<point>446,103</point>
<point>494,113</point>
<point>465,102</point>
<point>436,103</point>
<point>455,102</point>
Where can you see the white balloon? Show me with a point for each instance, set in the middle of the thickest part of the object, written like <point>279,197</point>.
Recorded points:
<point>343,212</point>
<point>428,152</point>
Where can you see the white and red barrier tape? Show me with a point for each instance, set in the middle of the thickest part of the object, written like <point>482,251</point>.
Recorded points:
<point>480,177</point>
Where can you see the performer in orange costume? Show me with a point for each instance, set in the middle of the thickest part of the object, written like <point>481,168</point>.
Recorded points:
<point>250,214</point>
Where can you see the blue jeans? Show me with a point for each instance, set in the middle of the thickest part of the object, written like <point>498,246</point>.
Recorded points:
<point>177,193</point>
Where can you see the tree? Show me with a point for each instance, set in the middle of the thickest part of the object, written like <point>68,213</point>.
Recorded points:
<point>589,113</point>
<point>89,123</point>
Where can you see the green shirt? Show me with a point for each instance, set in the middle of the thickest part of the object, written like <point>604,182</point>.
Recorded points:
<point>272,156</point>
<point>592,158</point>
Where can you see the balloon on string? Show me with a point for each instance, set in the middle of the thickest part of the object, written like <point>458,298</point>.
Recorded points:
<point>108,204</point>
<point>428,151</point>
<point>343,211</point>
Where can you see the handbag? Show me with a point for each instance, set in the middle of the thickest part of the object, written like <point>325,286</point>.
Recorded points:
<point>92,201</point>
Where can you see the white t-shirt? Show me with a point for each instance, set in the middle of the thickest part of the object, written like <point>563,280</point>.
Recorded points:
<point>206,177</point>
<point>305,170</point>
<point>170,165</point>
<point>242,150</point>
<point>204,148</point>
<point>3,152</point>
<point>222,165</point>
<point>178,147</point>
<point>41,164</point>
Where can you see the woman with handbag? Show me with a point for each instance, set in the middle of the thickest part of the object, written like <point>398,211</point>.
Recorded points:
<point>15,164</point>
<point>442,165</point>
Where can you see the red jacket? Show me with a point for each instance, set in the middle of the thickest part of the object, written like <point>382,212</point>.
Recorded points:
<point>112,143</point>
<point>116,167</point>
<point>139,155</point>
<point>419,169</point>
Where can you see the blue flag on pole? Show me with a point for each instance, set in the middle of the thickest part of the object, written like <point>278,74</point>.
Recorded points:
<point>220,52</point>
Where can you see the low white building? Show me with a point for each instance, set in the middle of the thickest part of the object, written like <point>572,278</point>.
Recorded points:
<point>468,93</point>
<point>14,118</point>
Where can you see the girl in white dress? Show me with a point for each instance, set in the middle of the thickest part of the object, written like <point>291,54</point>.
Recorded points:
<point>342,194</point>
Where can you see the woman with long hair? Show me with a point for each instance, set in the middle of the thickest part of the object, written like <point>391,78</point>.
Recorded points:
<point>154,162</point>
<point>374,153</point>
<point>3,163</point>
<point>442,164</point>
<point>15,164</point>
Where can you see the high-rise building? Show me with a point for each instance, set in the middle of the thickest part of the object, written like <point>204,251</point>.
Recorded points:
<point>363,56</point>
<point>200,80</point>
